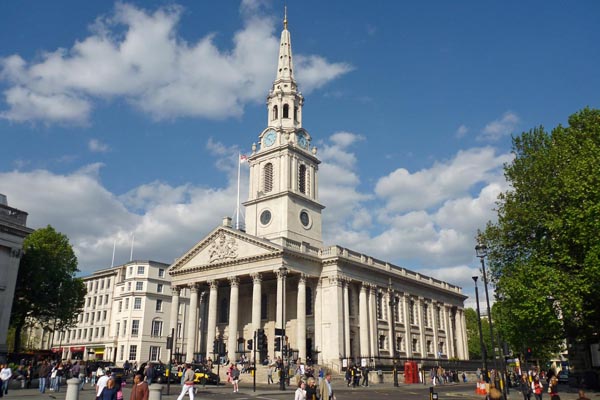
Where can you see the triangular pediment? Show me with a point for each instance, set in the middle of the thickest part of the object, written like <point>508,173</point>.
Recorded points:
<point>224,246</point>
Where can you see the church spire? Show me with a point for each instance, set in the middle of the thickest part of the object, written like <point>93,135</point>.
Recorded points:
<point>285,66</point>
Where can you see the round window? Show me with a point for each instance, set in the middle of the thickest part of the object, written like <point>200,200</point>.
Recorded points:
<point>304,218</point>
<point>265,217</point>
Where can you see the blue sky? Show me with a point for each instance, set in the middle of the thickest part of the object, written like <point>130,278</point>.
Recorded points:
<point>126,118</point>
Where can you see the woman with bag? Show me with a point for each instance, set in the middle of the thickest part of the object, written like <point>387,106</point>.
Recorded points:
<point>537,387</point>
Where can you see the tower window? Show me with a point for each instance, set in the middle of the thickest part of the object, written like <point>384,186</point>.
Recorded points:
<point>302,179</point>
<point>286,111</point>
<point>268,178</point>
<point>295,114</point>
<point>275,112</point>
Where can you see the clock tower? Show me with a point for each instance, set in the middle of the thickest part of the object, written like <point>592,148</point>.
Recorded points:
<point>283,199</point>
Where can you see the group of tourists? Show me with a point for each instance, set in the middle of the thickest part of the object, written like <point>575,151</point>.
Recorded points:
<point>308,389</point>
<point>354,374</point>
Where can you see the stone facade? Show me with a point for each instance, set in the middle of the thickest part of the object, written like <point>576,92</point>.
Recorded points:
<point>334,303</point>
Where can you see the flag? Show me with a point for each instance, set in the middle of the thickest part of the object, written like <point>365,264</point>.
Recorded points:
<point>243,158</point>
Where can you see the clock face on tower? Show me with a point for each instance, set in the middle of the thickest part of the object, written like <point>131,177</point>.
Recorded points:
<point>270,137</point>
<point>302,141</point>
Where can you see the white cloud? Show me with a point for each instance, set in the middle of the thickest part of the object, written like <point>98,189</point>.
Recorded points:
<point>499,128</point>
<point>96,146</point>
<point>461,131</point>
<point>153,69</point>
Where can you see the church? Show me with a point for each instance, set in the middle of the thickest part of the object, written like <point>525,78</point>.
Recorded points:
<point>328,304</point>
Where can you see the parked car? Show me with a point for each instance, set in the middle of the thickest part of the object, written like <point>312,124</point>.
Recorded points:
<point>204,375</point>
<point>116,371</point>
<point>563,377</point>
<point>160,371</point>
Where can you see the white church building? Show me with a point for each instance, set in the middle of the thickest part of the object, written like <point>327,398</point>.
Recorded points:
<point>334,303</point>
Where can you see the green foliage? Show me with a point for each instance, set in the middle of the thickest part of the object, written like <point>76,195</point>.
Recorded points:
<point>47,289</point>
<point>544,251</point>
<point>473,335</point>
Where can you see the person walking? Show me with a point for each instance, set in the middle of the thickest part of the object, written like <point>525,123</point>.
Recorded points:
<point>537,387</point>
<point>5,375</point>
<point>311,389</point>
<point>525,387</point>
<point>235,379</point>
<point>110,391</point>
<point>188,383</point>
<point>300,392</point>
<point>326,390</point>
<point>101,382</point>
<point>140,390</point>
<point>270,371</point>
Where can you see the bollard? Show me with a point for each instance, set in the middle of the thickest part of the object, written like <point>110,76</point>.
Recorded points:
<point>72,389</point>
<point>155,392</point>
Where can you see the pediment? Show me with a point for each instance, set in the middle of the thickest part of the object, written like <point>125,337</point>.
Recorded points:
<point>223,246</point>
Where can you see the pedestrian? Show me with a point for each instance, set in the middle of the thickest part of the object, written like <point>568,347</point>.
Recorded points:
<point>235,379</point>
<point>5,375</point>
<point>326,390</point>
<point>582,395</point>
<point>29,376</point>
<point>537,387</point>
<point>110,391</point>
<point>270,371</point>
<point>553,386</point>
<point>188,383</point>
<point>101,382</point>
<point>525,387</point>
<point>365,376</point>
<point>311,389</point>
<point>140,390</point>
<point>301,391</point>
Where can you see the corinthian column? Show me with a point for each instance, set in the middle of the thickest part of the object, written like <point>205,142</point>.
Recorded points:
<point>233,318</point>
<point>301,326</point>
<point>347,351</point>
<point>256,303</point>
<point>212,317</point>
<point>364,322</point>
<point>192,323</point>
<point>175,291</point>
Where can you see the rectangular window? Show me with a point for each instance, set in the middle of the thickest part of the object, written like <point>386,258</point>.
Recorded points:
<point>379,306</point>
<point>120,308</point>
<point>154,353</point>
<point>157,328</point>
<point>78,333</point>
<point>426,316</point>
<point>105,299</point>
<point>140,270</point>
<point>125,328</point>
<point>132,352</point>
<point>137,303</point>
<point>381,342</point>
<point>88,301</point>
<point>92,318</point>
<point>135,327</point>
<point>127,303</point>
<point>159,305</point>
<point>128,286</point>
<point>87,317</point>
<point>94,302</point>
<point>102,331</point>
<point>179,330</point>
<point>139,286</point>
<point>104,315</point>
<point>412,312</point>
<point>117,330</point>
<point>130,272</point>
<point>415,345</point>
<point>102,284</point>
<point>159,288</point>
<point>96,335</point>
<point>438,314</point>
<point>121,351</point>
<point>108,283</point>
<point>161,272</point>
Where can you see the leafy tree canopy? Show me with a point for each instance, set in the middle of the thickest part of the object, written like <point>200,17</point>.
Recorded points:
<point>544,251</point>
<point>47,289</point>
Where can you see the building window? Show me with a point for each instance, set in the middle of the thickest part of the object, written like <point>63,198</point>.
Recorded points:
<point>412,312</point>
<point>399,343</point>
<point>295,113</point>
<point>426,316</point>
<point>154,353</point>
<point>429,347</point>
<point>398,310</point>
<point>224,311</point>
<point>89,299</point>
<point>309,301</point>
<point>286,111</point>
<point>96,332</point>
<point>415,345</point>
<point>381,342</point>
<point>102,332</point>
<point>275,112</point>
<point>268,178</point>
<point>102,284</point>
<point>140,270</point>
<point>127,303</point>
<point>179,330</point>
<point>438,316</point>
<point>105,299</point>
<point>137,303</point>
<point>157,328</point>
<point>78,333</point>
<point>94,304</point>
<point>161,272</point>
<point>104,315</point>
<point>132,352</point>
<point>441,349</point>
<point>121,351</point>
<point>159,305</point>
<point>350,301</point>
<point>108,283</point>
<point>139,286</point>
<point>87,317</point>
<point>302,179</point>
<point>124,327</point>
<point>120,307</point>
<point>263,306</point>
<point>128,286</point>
<point>379,306</point>
<point>135,327</point>
<point>118,328</point>
<point>159,288</point>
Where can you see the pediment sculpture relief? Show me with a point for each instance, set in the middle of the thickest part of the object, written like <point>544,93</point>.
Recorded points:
<point>223,248</point>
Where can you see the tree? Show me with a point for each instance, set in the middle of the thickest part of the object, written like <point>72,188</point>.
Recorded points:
<point>473,335</point>
<point>47,290</point>
<point>544,251</point>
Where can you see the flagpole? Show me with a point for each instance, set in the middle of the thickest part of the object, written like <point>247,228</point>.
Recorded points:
<point>237,205</point>
<point>112,264</point>
<point>132,240</point>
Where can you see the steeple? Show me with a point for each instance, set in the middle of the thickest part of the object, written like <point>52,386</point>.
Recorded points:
<point>285,66</point>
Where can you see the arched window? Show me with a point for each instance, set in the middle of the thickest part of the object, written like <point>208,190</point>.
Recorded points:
<point>286,111</point>
<point>224,311</point>
<point>275,112</point>
<point>309,301</point>
<point>302,179</point>
<point>268,178</point>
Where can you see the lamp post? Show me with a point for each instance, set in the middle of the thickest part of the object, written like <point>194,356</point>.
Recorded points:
<point>481,251</point>
<point>393,304</point>
<point>283,271</point>
<point>483,350</point>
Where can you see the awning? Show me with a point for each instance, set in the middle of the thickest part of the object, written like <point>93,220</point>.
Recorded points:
<point>57,349</point>
<point>77,349</point>
<point>99,350</point>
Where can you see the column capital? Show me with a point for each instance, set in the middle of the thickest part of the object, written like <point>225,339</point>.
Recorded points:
<point>281,274</point>
<point>234,281</point>
<point>175,290</point>
<point>256,277</point>
<point>213,284</point>
<point>194,287</point>
<point>303,278</point>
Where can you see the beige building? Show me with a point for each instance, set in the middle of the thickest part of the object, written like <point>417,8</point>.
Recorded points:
<point>334,303</point>
<point>13,231</point>
<point>126,316</point>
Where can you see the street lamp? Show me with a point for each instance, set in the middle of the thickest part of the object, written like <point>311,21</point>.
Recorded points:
<point>393,304</point>
<point>483,349</point>
<point>481,251</point>
<point>283,271</point>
